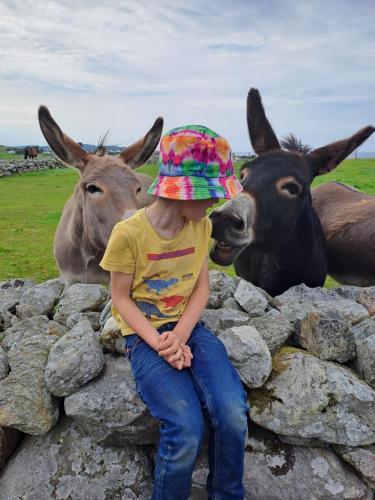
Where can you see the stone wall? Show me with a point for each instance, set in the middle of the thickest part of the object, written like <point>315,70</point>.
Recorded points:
<point>74,426</point>
<point>17,166</point>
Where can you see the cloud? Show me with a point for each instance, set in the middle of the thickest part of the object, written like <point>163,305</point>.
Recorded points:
<point>96,65</point>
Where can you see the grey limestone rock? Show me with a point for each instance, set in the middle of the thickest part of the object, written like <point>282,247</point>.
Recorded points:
<point>57,329</point>
<point>74,360</point>
<point>327,335</point>
<point>106,313</point>
<point>25,402</point>
<point>109,408</point>
<point>250,298</point>
<point>231,303</point>
<point>277,471</point>
<point>4,365</point>
<point>111,337</point>
<point>362,459</point>
<point>80,298</point>
<point>300,441</point>
<point>222,287</point>
<point>92,317</point>
<point>232,317</point>
<point>364,364</point>
<point>211,318</point>
<point>7,319</point>
<point>314,399</point>
<point>274,328</point>
<point>67,464</point>
<point>300,300</point>
<point>11,292</point>
<point>363,295</point>
<point>26,311</point>
<point>43,297</point>
<point>248,353</point>
<point>38,325</point>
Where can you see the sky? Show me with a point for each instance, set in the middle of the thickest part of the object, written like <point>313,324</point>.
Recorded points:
<point>118,65</point>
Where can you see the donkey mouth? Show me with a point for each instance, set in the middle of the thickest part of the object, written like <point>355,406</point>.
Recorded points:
<point>223,245</point>
<point>222,253</point>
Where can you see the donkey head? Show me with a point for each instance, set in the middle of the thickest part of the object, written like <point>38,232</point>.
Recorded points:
<point>108,189</point>
<point>276,189</point>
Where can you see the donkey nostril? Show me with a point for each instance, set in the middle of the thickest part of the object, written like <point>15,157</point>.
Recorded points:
<point>238,224</point>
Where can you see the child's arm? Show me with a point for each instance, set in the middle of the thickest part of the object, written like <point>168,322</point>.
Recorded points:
<point>195,305</point>
<point>131,314</point>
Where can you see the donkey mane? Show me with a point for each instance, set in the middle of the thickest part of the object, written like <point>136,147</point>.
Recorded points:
<point>101,149</point>
<point>292,143</point>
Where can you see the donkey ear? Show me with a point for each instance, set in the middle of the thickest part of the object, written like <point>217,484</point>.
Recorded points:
<point>138,153</point>
<point>65,148</point>
<point>262,136</point>
<point>327,158</point>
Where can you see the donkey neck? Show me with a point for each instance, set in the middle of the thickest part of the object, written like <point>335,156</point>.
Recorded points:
<point>306,243</point>
<point>301,259</point>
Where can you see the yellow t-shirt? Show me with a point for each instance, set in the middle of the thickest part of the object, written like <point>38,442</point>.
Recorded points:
<point>165,270</point>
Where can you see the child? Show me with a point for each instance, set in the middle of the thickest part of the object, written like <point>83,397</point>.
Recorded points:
<point>159,272</point>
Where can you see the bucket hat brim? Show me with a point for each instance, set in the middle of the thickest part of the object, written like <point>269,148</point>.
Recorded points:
<point>195,187</point>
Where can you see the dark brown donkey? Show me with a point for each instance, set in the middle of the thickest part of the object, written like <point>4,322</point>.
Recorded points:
<point>108,191</point>
<point>348,220</point>
<point>31,152</point>
<point>270,231</point>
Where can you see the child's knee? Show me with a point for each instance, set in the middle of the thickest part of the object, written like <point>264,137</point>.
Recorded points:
<point>232,419</point>
<point>187,450</point>
<point>191,430</point>
<point>184,439</point>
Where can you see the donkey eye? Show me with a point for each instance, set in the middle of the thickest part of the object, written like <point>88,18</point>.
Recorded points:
<point>93,188</point>
<point>139,189</point>
<point>292,188</point>
<point>289,187</point>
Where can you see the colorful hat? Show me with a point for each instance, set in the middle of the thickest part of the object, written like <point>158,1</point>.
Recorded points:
<point>195,163</point>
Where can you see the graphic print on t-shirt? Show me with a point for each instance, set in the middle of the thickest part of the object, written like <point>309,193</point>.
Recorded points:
<point>172,254</point>
<point>150,309</point>
<point>172,301</point>
<point>159,285</point>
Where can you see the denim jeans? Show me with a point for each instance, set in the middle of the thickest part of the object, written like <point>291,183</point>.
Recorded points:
<point>210,391</point>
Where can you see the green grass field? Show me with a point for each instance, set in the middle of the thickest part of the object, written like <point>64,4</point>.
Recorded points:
<point>31,205</point>
<point>10,156</point>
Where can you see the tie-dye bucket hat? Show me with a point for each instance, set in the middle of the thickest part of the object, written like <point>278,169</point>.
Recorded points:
<point>195,163</point>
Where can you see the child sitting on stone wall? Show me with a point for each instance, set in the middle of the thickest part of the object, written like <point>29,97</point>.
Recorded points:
<point>159,273</point>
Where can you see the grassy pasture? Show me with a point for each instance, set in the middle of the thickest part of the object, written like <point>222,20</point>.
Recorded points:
<point>10,156</point>
<point>31,205</point>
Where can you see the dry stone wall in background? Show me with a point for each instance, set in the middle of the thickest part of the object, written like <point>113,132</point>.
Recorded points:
<point>17,166</point>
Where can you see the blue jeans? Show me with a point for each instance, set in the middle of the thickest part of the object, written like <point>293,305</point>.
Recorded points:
<point>210,390</point>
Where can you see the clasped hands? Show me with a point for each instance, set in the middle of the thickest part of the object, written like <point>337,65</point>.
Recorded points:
<point>175,352</point>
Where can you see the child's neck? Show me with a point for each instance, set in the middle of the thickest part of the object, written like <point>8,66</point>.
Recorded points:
<point>165,217</point>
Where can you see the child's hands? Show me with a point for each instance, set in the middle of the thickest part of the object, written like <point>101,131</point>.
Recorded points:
<point>174,351</point>
<point>187,356</point>
<point>169,348</point>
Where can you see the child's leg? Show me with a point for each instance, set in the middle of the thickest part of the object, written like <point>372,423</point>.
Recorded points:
<point>224,401</point>
<point>171,397</point>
